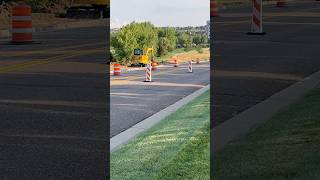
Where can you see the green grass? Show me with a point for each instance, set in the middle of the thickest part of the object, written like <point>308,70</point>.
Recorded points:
<point>287,147</point>
<point>169,55</point>
<point>176,148</point>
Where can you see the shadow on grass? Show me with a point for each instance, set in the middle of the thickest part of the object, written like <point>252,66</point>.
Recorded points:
<point>150,154</point>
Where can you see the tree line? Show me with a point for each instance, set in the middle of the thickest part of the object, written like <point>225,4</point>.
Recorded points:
<point>144,34</point>
<point>47,6</point>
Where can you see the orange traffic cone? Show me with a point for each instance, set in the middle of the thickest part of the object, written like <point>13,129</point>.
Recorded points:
<point>214,9</point>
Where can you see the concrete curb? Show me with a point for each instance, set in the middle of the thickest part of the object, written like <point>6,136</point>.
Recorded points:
<point>242,123</point>
<point>70,25</point>
<point>129,134</point>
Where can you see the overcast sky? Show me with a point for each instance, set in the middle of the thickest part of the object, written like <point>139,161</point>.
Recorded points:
<point>160,12</point>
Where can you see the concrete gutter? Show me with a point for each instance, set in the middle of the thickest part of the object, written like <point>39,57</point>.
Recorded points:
<point>129,134</point>
<point>242,123</point>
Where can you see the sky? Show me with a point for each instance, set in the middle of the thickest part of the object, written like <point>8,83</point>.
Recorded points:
<point>160,12</point>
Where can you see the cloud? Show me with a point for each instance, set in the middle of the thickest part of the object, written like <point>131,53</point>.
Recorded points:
<point>117,23</point>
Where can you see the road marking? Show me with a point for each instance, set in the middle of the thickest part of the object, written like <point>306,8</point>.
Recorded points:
<point>54,137</point>
<point>127,79</point>
<point>292,23</point>
<point>250,74</point>
<point>275,14</point>
<point>13,53</point>
<point>52,103</point>
<point>156,84</point>
<point>139,76</point>
<point>32,63</point>
<point>268,16</point>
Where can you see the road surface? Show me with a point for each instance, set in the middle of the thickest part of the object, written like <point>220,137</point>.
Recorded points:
<point>249,68</point>
<point>53,101</point>
<point>133,100</point>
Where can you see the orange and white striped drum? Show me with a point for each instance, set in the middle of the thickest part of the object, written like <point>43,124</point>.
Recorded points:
<point>21,24</point>
<point>148,73</point>
<point>256,19</point>
<point>190,66</point>
<point>116,69</point>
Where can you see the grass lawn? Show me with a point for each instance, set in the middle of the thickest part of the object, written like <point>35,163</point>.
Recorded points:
<point>176,148</point>
<point>184,56</point>
<point>170,54</point>
<point>287,147</point>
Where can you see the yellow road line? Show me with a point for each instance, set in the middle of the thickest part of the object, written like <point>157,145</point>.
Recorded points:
<point>47,51</point>
<point>32,63</point>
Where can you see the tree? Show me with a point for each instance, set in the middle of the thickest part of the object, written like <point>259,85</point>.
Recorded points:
<point>123,42</point>
<point>132,36</point>
<point>197,39</point>
<point>163,46</point>
<point>146,35</point>
<point>200,39</point>
<point>167,40</point>
<point>185,40</point>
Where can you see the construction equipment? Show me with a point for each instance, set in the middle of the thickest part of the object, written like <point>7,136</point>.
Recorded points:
<point>89,9</point>
<point>143,58</point>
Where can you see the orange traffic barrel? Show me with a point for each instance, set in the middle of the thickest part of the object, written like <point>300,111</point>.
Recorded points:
<point>117,69</point>
<point>174,60</point>
<point>214,9</point>
<point>154,64</point>
<point>21,24</point>
<point>175,63</point>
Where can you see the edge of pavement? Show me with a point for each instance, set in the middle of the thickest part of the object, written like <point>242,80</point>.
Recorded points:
<point>124,137</point>
<point>143,68</point>
<point>247,120</point>
<point>69,25</point>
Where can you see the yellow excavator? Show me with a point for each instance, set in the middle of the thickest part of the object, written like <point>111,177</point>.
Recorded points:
<point>89,9</point>
<point>141,58</point>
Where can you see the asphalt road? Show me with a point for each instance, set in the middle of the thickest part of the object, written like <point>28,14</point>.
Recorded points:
<point>133,100</point>
<point>248,69</point>
<point>54,106</point>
